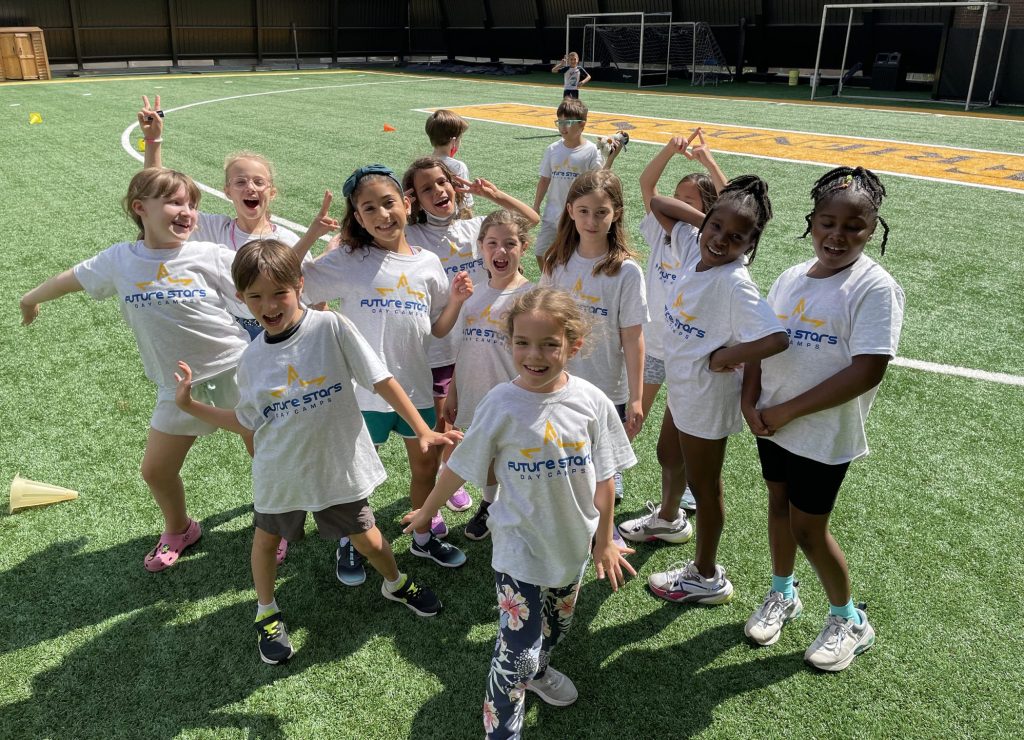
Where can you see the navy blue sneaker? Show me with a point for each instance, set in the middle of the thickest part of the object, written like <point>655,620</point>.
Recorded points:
<point>349,569</point>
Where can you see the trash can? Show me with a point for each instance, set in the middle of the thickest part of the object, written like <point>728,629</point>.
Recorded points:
<point>794,77</point>
<point>887,71</point>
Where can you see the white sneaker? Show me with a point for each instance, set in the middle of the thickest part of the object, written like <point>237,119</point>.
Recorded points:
<point>840,642</point>
<point>620,488</point>
<point>652,527</point>
<point>554,687</point>
<point>688,502</point>
<point>683,583</point>
<point>766,623</point>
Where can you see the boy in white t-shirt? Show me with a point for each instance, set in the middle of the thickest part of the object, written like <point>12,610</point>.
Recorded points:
<point>297,409</point>
<point>445,129</point>
<point>563,162</point>
<point>575,76</point>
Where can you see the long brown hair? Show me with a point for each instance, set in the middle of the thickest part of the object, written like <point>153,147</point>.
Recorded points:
<point>418,214</point>
<point>567,238</point>
<point>157,182</point>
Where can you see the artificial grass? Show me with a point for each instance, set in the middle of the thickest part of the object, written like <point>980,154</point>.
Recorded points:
<point>97,647</point>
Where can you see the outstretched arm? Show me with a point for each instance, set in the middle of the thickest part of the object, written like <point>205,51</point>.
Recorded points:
<point>321,225</point>
<point>55,287</point>
<point>486,189</point>
<point>727,359</point>
<point>392,392</point>
<point>656,168</point>
<point>670,211</point>
<point>218,417</point>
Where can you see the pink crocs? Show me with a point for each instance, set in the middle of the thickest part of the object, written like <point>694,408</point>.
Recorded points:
<point>282,550</point>
<point>170,546</point>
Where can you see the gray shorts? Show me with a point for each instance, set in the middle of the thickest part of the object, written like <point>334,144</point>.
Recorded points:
<point>334,522</point>
<point>545,236</point>
<point>654,370</point>
<point>220,391</point>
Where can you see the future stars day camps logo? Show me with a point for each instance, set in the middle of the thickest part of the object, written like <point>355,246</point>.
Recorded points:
<point>554,457</point>
<point>810,338</point>
<point>401,299</point>
<point>680,322</point>
<point>298,395</point>
<point>165,289</point>
<point>481,327</point>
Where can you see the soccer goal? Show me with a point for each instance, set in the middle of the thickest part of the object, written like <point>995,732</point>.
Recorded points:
<point>985,61</point>
<point>625,41</point>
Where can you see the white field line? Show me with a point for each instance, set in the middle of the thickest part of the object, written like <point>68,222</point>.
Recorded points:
<point>933,367</point>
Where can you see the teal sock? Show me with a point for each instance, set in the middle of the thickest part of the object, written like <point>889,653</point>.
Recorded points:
<point>846,611</point>
<point>783,584</point>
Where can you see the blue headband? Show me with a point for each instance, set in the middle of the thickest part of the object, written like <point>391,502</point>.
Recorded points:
<point>371,169</point>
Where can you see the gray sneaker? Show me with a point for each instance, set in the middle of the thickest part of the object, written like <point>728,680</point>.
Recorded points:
<point>652,527</point>
<point>766,623</point>
<point>688,502</point>
<point>554,687</point>
<point>840,642</point>
<point>684,584</point>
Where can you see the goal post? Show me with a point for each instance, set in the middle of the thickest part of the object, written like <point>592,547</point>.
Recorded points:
<point>985,8</point>
<point>629,42</point>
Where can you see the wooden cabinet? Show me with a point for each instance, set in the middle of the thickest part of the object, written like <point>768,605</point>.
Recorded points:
<point>23,54</point>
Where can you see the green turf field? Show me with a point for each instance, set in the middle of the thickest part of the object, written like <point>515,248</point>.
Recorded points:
<point>93,646</point>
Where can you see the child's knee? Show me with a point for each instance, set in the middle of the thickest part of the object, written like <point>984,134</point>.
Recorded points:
<point>423,467</point>
<point>157,472</point>
<point>264,542</point>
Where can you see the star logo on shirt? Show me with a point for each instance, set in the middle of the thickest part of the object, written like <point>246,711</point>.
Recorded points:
<point>799,311</point>
<point>485,316</point>
<point>163,275</point>
<point>551,437</point>
<point>453,250</point>
<point>577,292</point>
<point>678,306</point>
<point>403,283</point>
<point>295,379</point>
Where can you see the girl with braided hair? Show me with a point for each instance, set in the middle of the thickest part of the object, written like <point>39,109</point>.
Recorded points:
<point>715,321</point>
<point>807,406</point>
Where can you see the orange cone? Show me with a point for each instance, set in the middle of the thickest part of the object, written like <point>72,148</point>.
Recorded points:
<point>388,127</point>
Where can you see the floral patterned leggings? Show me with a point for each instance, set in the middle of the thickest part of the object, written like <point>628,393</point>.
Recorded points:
<point>533,619</point>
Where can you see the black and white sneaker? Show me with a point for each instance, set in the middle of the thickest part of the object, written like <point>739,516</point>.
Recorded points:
<point>274,645</point>
<point>477,527</point>
<point>349,566</point>
<point>442,553</point>
<point>418,598</point>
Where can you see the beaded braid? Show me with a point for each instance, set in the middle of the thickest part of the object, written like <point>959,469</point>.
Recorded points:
<point>747,191</point>
<point>859,180</point>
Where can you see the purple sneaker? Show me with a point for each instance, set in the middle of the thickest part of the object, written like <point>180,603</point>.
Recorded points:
<point>460,500</point>
<point>437,526</point>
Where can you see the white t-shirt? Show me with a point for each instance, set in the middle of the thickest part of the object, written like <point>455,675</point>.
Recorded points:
<point>549,452</point>
<point>563,165</point>
<point>829,321</point>
<point>459,168</point>
<point>662,273</point>
<point>612,302</point>
<point>175,301</point>
<point>392,299</point>
<point>312,449</point>
<point>455,245</point>
<point>572,77</point>
<point>484,355</point>
<point>220,229</point>
<point>719,307</point>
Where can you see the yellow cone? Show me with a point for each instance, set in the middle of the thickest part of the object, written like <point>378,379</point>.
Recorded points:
<point>141,145</point>
<point>35,118</point>
<point>26,493</point>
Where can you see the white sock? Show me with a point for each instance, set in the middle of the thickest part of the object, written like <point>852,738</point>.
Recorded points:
<point>263,610</point>
<point>421,538</point>
<point>396,584</point>
<point>490,493</point>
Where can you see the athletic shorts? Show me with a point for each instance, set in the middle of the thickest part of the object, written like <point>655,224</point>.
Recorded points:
<point>654,370</point>
<point>812,486</point>
<point>381,423</point>
<point>571,94</point>
<point>220,391</point>
<point>334,522</point>
<point>442,377</point>
<point>545,237</point>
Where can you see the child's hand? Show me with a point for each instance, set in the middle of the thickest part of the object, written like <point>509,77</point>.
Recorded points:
<point>479,186</point>
<point>437,439</point>
<point>634,419</point>
<point>754,420</point>
<point>462,287</point>
<point>322,223</point>
<point>151,121</point>
<point>610,561</point>
<point>775,417</point>
<point>29,312</point>
<point>450,410</point>
<point>718,364</point>
<point>700,152</point>
<point>183,393</point>
<point>677,145</point>
<point>416,519</point>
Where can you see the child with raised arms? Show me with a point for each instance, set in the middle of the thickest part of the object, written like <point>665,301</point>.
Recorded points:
<point>174,294</point>
<point>312,453</point>
<point>437,201</point>
<point>843,313</point>
<point>397,295</point>
<point>554,441</point>
<point>445,130</point>
<point>482,357</point>
<point>699,190</point>
<point>591,259</point>
<point>716,320</point>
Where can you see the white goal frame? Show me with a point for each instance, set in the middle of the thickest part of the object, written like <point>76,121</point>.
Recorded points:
<point>984,6</point>
<point>665,17</point>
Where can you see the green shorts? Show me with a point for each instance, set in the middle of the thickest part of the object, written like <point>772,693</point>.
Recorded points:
<point>381,423</point>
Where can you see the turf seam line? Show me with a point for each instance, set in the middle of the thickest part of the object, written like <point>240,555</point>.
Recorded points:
<point>963,372</point>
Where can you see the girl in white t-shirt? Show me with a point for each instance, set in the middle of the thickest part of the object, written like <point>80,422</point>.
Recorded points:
<point>437,196</point>
<point>398,296</point>
<point>174,294</point>
<point>591,259</point>
<point>554,442</point>
<point>843,313</point>
<point>716,320</point>
<point>248,184</point>
<point>481,344</point>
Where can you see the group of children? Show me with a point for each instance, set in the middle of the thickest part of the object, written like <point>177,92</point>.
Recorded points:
<point>532,393</point>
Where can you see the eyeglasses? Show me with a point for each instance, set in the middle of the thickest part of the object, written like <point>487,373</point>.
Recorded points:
<point>566,122</point>
<point>258,183</point>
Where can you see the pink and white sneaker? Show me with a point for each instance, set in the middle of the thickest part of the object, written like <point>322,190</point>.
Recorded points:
<point>460,500</point>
